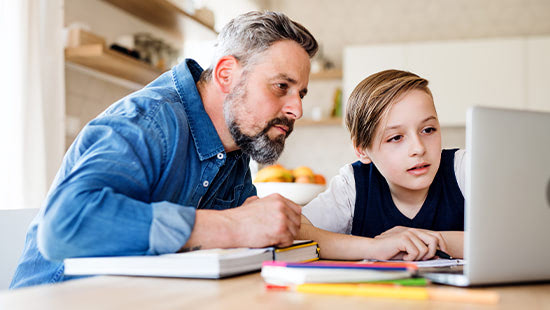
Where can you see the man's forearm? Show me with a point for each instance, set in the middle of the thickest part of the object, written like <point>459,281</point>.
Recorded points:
<point>213,229</point>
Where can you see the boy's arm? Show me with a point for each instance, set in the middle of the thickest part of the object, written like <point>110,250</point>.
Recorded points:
<point>416,245</point>
<point>334,245</point>
<point>455,243</point>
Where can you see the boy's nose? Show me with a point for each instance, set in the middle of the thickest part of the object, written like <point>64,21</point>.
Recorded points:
<point>417,146</point>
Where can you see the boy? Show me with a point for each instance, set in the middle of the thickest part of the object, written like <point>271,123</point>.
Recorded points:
<point>401,200</point>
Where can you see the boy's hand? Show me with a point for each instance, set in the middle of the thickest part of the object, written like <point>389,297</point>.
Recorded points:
<point>409,243</point>
<point>272,220</point>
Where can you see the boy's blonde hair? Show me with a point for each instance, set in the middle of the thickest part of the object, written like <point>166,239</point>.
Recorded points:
<point>372,99</point>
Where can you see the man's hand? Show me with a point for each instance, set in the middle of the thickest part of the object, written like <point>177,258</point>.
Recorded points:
<point>409,243</point>
<point>272,220</point>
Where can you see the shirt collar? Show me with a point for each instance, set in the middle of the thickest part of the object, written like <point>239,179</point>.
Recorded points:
<point>206,138</point>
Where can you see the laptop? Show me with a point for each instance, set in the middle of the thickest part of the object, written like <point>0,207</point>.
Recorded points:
<point>507,196</point>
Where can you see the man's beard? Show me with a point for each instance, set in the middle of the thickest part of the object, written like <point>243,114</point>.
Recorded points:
<point>259,146</point>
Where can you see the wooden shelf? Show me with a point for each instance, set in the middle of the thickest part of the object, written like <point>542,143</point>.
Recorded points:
<point>161,13</point>
<point>326,75</point>
<point>333,121</point>
<point>97,57</point>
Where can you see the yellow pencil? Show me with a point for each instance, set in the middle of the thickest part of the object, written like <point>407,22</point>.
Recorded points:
<point>402,292</point>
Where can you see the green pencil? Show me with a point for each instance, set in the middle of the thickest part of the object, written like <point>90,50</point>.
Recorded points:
<point>404,282</point>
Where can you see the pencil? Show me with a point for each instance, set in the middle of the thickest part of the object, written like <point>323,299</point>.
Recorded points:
<point>402,292</point>
<point>404,282</point>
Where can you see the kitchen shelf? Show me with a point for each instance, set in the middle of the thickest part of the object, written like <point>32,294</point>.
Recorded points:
<point>326,74</point>
<point>332,121</point>
<point>97,57</point>
<point>161,13</point>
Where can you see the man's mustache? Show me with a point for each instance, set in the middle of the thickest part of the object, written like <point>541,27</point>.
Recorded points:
<point>289,123</point>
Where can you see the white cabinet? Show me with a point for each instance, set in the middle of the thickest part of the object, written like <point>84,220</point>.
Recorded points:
<point>362,61</point>
<point>507,72</point>
<point>538,73</point>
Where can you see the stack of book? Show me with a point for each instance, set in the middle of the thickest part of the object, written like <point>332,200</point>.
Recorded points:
<point>365,279</point>
<point>212,263</point>
<point>287,273</point>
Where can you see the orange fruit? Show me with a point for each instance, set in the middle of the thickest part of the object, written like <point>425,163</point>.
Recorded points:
<point>303,179</point>
<point>319,179</point>
<point>301,171</point>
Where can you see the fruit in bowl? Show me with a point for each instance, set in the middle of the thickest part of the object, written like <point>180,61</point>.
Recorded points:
<point>274,173</point>
<point>300,185</point>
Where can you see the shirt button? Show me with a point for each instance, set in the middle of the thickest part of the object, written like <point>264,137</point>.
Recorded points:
<point>220,155</point>
<point>205,183</point>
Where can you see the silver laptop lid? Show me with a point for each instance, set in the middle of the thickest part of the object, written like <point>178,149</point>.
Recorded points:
<point>507,196</point>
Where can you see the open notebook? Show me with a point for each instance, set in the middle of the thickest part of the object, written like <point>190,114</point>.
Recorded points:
<point>212,263</point>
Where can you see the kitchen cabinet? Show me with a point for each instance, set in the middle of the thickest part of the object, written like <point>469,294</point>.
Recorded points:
<point>537,78</point>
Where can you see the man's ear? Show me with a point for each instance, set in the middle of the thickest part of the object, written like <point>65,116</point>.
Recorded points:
<point>362,154</point>
<point>225,72</point>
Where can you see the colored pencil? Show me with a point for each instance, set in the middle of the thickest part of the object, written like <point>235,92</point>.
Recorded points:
<point>402,292</point>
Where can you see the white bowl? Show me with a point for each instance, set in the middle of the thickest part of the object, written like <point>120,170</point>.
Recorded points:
<point>300,193</point>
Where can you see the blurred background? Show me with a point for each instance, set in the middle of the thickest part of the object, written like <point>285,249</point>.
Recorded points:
<point>70,59</point>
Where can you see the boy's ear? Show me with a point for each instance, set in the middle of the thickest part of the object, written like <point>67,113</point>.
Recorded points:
<point>362,154</point>
<point>226,71</point>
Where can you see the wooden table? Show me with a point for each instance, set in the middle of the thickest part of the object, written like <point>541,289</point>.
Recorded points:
<point>242,292</point>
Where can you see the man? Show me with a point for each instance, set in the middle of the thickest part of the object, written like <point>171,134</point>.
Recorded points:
<point>163,169</point>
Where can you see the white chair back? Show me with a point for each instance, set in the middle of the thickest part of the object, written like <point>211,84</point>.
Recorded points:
<point>13,228</point>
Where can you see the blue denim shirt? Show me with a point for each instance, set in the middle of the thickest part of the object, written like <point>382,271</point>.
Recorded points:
<point>132,180</point>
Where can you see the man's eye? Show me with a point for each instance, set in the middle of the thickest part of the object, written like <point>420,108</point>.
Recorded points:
<point>395,138</point>
<point>282,86</point>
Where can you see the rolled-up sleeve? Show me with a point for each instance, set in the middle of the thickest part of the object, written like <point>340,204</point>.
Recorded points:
<point>171,226</point>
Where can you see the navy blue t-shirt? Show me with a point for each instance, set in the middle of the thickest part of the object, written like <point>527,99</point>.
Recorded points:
<point>375,211</point>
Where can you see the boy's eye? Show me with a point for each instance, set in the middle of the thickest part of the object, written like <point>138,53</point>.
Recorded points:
<point>395,138</point>
<point>429,130</point>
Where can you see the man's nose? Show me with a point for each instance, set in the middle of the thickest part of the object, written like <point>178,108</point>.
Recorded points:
<point>293,107</point>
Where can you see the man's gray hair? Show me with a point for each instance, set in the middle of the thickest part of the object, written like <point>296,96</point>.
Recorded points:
<point>250,34</point>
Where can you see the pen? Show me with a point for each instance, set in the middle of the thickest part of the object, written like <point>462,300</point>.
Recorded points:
<point>442,254</point>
